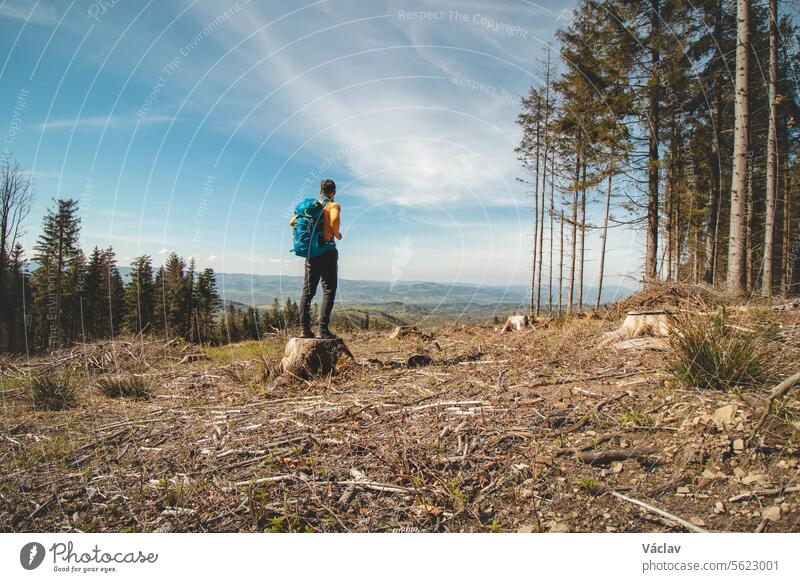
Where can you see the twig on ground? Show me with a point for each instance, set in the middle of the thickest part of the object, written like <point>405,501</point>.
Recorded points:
<point>653,509</point>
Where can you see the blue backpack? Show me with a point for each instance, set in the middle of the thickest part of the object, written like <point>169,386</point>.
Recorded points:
<point>308,229</point>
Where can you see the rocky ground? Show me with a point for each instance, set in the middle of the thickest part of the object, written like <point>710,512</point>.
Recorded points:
<point>464,429</point>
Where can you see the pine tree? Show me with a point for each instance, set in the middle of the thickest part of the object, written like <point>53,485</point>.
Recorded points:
<point>55,249</point>
<point>139,296</point>
<point>207,305</point>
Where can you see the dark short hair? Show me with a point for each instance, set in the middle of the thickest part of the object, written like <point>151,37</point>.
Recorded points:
<point>327,187</point>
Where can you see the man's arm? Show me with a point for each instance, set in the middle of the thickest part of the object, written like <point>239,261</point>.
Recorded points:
<point>291,222</point>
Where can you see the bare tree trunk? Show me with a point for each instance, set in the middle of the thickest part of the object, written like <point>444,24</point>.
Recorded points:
<point>787,226</point>
<point>668,189</point>
<point>544,184</point>
<point>654,98</point>
<point>772,153</point>
<point>561,265</point>
<point>552,209</point>
<point>583,239</point>
<point>748,245</point>
<point>712,232</point>
<point>604,236</point>
<point>535,211</point>
<point>737,234</point>
<point>574,231</point>
<point>535,240</point>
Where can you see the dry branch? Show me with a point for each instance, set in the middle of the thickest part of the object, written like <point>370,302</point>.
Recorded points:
<point>653,509</point>
<point>606,457</point>
<point>779,391</point>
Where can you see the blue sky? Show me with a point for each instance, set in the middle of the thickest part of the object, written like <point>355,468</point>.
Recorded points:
<point>196,125</point>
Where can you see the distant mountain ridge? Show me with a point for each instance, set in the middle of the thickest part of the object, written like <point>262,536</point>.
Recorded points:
<point>261,290</point>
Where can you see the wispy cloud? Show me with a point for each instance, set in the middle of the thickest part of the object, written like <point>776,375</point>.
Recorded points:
<point>30,11</point>
<point>371,77</point>
<point>99,122</point>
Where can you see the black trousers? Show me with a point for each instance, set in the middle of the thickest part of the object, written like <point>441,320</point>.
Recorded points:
<point>325,267</point>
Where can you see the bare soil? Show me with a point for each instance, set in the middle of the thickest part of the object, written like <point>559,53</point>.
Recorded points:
<point>488,433</point>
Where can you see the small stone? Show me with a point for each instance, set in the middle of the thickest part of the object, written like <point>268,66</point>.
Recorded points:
<point>683,490</point>
<point>738,445</point>
<point>719,507</point>
<point>772,513</point>
<point>752,478</point>
<point>558,527</point>
<point>616,467</point>
<point>738,472</point>
<point>697,521</point>
<point>528,528</point>
<point>723,416</point>
<point>708,474</point>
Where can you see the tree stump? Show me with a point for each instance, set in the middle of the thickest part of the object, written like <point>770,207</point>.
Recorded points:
<point>402,331</point>
<point>638,324</point>
<point>516,323</point>
<point>311,357</point>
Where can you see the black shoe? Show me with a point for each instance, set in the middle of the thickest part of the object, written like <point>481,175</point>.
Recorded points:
<point>325,333</point>
<point>307,333</point>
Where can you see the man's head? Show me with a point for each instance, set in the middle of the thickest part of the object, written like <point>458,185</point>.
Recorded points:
<point>327,188</point>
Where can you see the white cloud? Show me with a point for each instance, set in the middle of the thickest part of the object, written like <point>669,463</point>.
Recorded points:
<point>100,122</point>
<point>29,11</point>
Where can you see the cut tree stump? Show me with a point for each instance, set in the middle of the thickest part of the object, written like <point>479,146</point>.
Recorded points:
<point>516,323</point>
<point>402,331</point>
<point>638,324</point>
<point>311,357</point>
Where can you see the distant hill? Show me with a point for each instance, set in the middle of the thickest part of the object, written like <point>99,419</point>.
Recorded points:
<point>260,290</point>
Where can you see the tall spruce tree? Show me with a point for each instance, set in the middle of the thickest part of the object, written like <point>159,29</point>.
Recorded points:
<point>140,296</point>
<point>55,250</point>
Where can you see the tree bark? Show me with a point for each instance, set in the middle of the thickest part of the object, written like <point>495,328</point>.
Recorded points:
<point>544,184</point>
<point>772,154</point>
<point>712,233</point>
<point>604,236</point>
<point>552,210</point>
<point>561,265</point>
<point>583,238</point>
<point>535,210</point>
<point>574,231</point>
<point>654,97</point>
<point>737,234</point>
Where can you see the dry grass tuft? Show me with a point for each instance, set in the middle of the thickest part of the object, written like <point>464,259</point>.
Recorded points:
<point>708,351</point>
<point>135,387</point>
<point>52,390</point>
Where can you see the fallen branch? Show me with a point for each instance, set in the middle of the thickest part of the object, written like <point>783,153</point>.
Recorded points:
<point>606,457</point>
<point>779,391</point>
<point>765,493</point>
<point>653,509</point>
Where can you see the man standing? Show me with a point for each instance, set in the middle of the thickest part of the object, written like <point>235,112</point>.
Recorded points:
<point>324,266</point>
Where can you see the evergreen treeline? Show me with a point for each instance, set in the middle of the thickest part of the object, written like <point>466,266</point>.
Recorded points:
<point>71,298</point>
<point>683,116</point>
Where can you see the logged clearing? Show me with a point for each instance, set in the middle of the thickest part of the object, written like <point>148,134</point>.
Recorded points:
<point>456,429</point>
